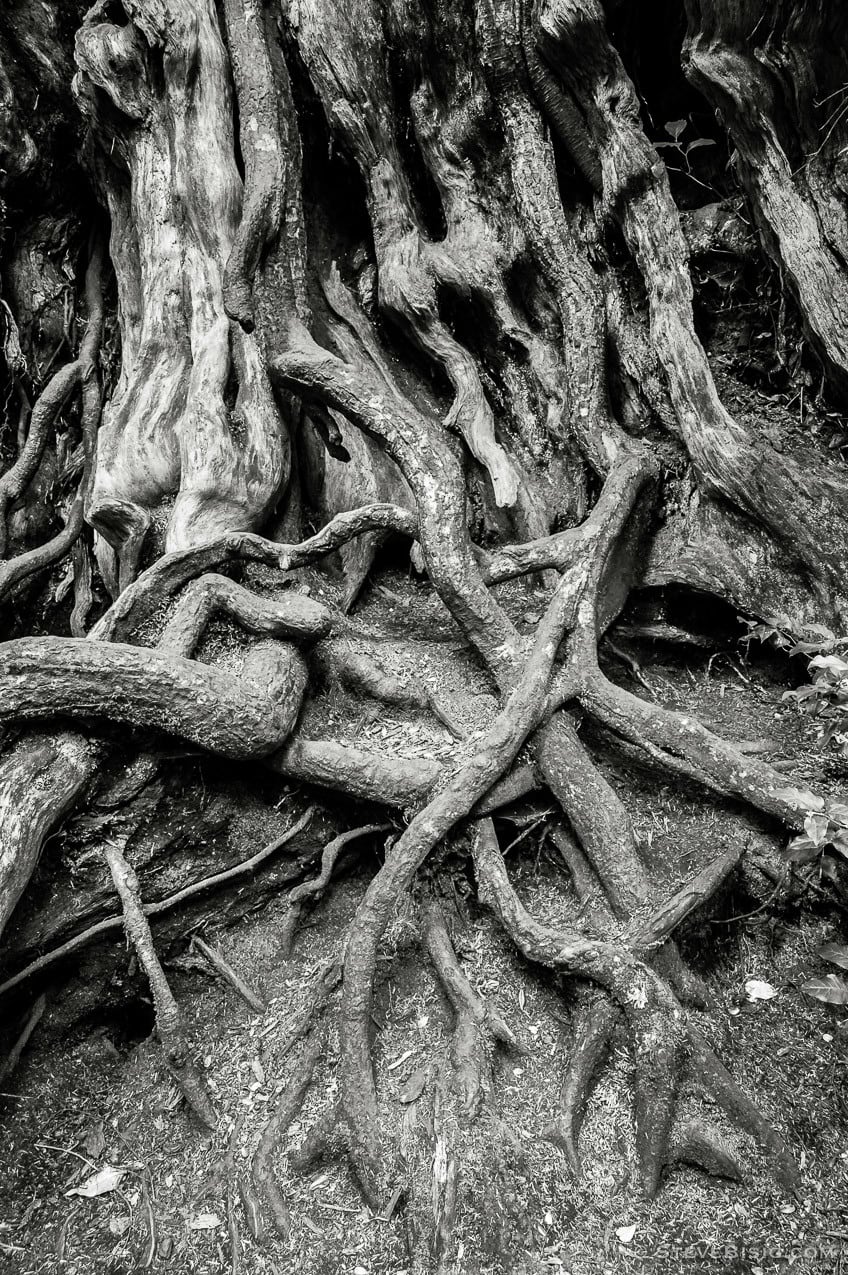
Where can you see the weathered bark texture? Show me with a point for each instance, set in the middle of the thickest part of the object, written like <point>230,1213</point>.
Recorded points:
<point>417,274</point>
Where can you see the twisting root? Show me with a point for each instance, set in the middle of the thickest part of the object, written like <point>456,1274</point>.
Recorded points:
<point>168,1018</point>
<point>661,1036</point>
<point>288,1106</point>
<point>237,716</point>
<point>496,749</point>
<point>161,581</point>
<point>593,1029</point>
<point>81,372</point>
<point>477,1027</point>
<point>314,888</point>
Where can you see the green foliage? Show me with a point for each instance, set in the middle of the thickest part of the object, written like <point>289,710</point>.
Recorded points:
<point>675,130</point>
<point>825,698</point>
<point>830,988</point>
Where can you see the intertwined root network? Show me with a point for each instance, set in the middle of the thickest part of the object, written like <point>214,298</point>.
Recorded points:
<point>246,349</point>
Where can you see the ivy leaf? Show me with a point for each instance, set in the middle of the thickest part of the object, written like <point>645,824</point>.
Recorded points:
<point>817,828</point>
<point>829,988</point>
<point>801,798</point>
<point>820,630</point>
<point>836,954</point>
<point>832,663</point>
<point>801,850</point>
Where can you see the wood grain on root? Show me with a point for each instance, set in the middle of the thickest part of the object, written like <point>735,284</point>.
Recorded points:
<point>249,715</point>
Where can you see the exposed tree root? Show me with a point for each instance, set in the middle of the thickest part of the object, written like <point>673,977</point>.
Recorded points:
<point>696,1143</point>
<point>10,1062</point>
<point>81,372</point>
<point>764,484</point>
<point>168,1018</point>
<point>164,579</point>
<point>109,924</point>
<point>521,714</point>
<point>478,1027</point>
<point>313,889</point>
<point>364,672</point>
<point>40,779</point>
<point>288,1106</point>
<point>661,1038</point>
<point>469,354</point>
<point>594,1023</point>
<point>169,429</point>
<point>793,202</point>
<point>244,716</point>
<point>226,971</point>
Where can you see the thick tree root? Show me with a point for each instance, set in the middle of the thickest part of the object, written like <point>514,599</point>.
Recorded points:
<point>793,203</point>
<point>804,510</point>
<point>478,1027</point>
<point>245,716</point>
<point>168,1018</point>
<point>661,1038</point>
<point>40,779</point>
<point>521,714</point>
<point>171,428</point>
<point>593,1027</point>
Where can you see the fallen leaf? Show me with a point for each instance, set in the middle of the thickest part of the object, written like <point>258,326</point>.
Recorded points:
<point>204,1222</point>
<point>836,954</point>
<point>414,1086</point>
<point>117,1225</point>
<point>829,988</point>
<point>94,1141</point>
<point>625,1233</point>
<point>100,1183</point>
<point>757,990</point>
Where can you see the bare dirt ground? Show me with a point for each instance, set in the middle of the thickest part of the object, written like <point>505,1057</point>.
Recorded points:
<point>82,1099</point>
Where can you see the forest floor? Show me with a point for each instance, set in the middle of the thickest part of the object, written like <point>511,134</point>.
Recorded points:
<point>81,1100</point>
